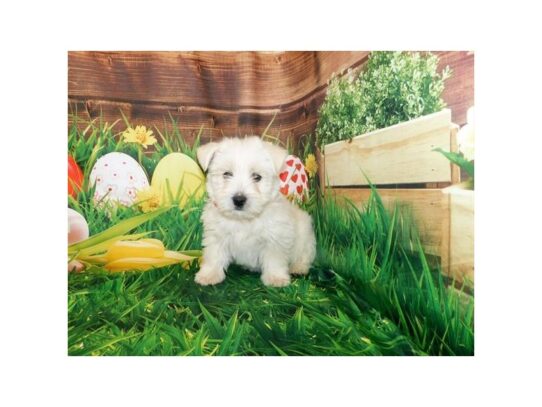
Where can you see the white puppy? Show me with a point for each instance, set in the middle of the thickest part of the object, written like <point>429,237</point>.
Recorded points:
<point>247,220</point>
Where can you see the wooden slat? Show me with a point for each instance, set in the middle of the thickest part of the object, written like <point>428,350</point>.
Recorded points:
<point>456,171</point>
<point>400,154</point>
<point>427,205</point>
<point>195,116</point>
<point>291,122</point>
<point>459,263</point>
<point>445,235</point>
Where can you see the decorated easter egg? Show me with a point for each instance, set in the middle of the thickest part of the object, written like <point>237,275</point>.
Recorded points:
<point>77,227</point>
<point>117,178</point>
<point>75,177</point>
<point>178,177</point>
<point>294,183</point>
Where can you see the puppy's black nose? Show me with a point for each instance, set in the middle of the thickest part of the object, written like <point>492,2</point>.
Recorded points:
<point>239,201</point>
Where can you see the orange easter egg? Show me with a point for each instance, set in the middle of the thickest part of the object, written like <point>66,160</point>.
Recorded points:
<point>75,177</point>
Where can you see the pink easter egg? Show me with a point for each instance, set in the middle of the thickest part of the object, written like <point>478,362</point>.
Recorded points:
<point>77,227</point>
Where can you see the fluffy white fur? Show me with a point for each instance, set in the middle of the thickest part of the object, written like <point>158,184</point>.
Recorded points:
<point>269,234</point>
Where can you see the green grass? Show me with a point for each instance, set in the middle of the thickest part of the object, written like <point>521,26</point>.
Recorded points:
<point>370,291</point>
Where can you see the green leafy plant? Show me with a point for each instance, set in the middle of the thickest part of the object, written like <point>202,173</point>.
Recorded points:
<point>393,87</point>
<point>461,162</point>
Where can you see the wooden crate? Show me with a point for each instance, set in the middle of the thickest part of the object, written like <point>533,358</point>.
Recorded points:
<point>400,154</point>
<point>401,162</point>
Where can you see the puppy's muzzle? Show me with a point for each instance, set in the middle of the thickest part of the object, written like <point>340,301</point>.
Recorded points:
<point>239,201</point>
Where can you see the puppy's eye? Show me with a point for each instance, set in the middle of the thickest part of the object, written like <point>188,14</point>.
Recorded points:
<point>256,177</point>
<point>227,174</point>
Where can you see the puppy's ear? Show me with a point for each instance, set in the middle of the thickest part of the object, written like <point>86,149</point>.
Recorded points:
<point>278,155</point>
<point>205,154</point>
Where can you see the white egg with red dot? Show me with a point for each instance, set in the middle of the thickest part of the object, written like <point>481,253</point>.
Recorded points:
<point>117,177</point>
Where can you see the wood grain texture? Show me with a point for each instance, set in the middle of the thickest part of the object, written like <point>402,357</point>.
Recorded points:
<point>222,80</point>
<point>427,206</point>
<point>459,88</point>
<point>295,120</point>
<point>445,235</point>
<point>229,93</point>
<point>400,154</point>
<point>455,170</point>
<point>458,250</point>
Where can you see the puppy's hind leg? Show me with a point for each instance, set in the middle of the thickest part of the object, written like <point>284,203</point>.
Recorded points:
<point>302,264</point>
<point>274,268</point>
<point>301,267</point>
<point>305,246</point>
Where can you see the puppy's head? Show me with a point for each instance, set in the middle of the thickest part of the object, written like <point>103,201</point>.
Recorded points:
<point>242,174</point>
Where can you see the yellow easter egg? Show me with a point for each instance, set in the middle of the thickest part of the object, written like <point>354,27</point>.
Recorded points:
<point>177,177</point>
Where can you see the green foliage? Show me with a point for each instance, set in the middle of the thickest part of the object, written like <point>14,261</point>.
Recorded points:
<point>341,114</point>
<point>461,162</point>
<point>377,260</point>
<point>393,87</point>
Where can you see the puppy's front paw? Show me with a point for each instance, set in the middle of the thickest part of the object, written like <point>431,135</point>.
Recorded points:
<point>276,279</point>
<point>209,276</point>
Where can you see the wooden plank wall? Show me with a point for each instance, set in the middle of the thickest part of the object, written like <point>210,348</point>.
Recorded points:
<point>459,90</point>
<point>229,93</point>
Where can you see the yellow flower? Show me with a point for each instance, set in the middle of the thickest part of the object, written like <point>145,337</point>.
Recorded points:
<point>139,135</point>
<point>310,165</point>
<point>148,199</point>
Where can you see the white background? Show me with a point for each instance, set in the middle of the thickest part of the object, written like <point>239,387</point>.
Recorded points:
<point>35,38</point>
